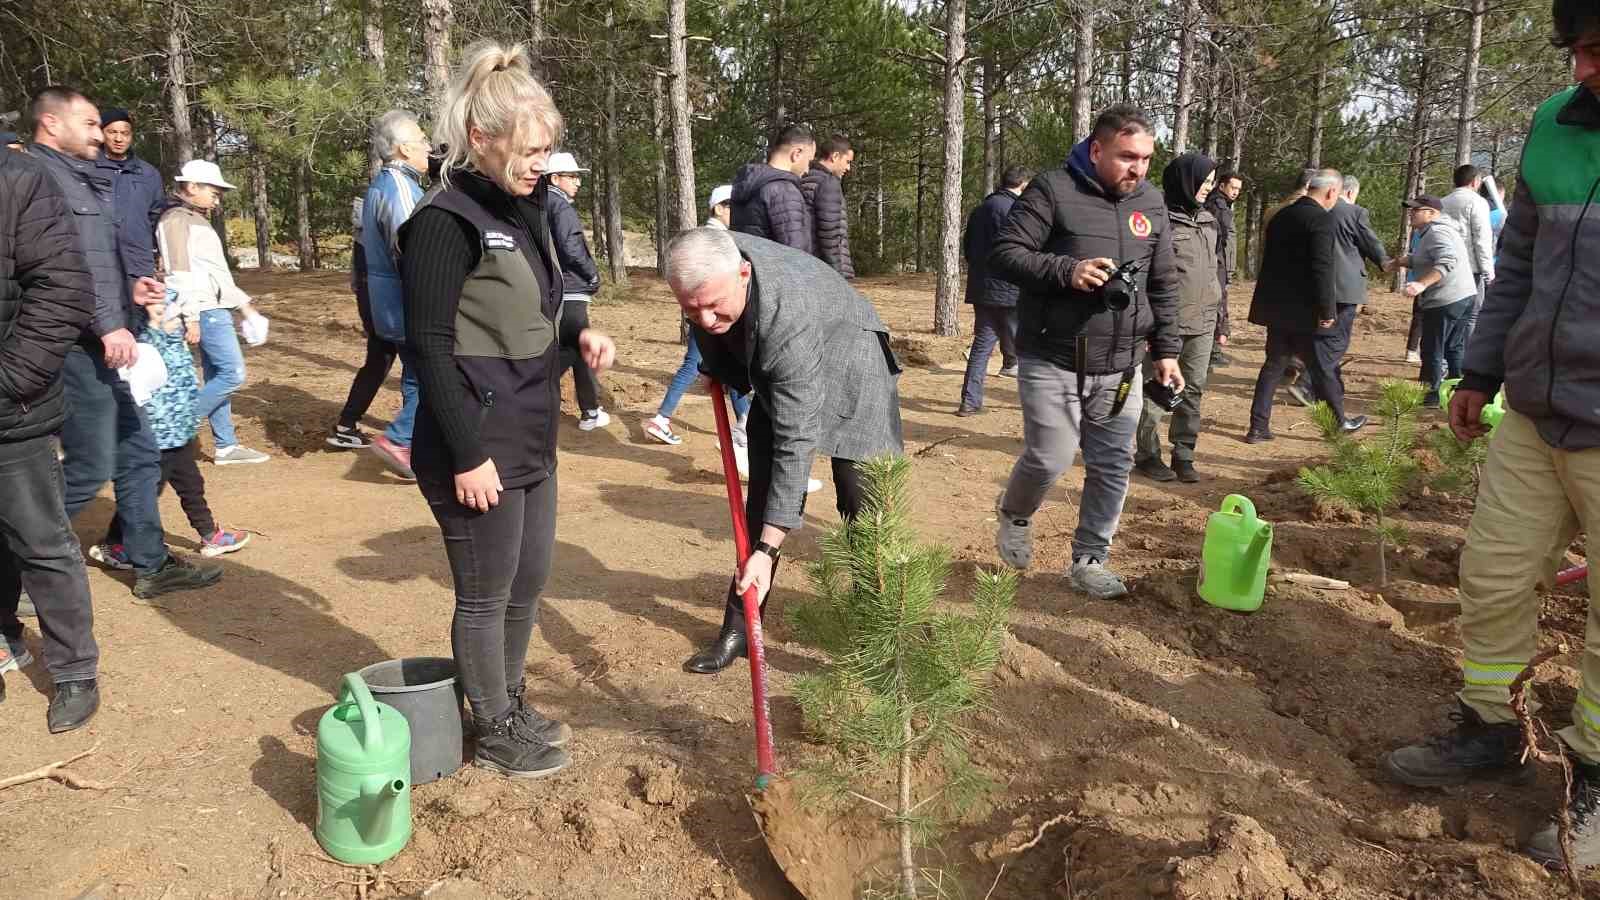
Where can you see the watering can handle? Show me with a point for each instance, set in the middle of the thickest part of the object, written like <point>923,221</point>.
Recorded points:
<point>1236,503</point>
<point>355,687</point>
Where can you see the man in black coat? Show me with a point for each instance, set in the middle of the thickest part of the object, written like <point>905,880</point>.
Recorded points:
<point>1297,300</point>
<point>1220,205</point>
<point>1082,333</point>
<point>993,298</point>
<point>46,299</point>
<point>767,199</point>
<point>824,192</point>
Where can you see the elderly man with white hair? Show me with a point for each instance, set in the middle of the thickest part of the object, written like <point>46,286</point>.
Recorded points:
<point>783,324</point>
<point>400,142</point>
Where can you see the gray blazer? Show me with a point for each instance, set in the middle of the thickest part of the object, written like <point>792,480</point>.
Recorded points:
<point>1355,244</point>
<point>819,364</point>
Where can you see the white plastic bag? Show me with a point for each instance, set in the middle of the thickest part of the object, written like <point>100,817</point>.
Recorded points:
<point>147,375</point>
<point>254,328</point>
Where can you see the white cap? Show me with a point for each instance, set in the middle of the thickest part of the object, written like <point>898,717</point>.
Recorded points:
<point>563,164</point>
<point>200,171</point>
<point>721,194</point>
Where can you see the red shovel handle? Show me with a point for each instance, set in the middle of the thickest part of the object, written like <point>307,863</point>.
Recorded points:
<point>1576,573</point>
<point>765,766</point>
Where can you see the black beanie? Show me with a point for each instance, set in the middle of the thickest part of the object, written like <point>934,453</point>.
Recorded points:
<point>115,114</point>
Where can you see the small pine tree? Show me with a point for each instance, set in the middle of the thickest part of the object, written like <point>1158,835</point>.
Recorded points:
<point>1460,463</point>
<point>901,674</point>
<point>1370,476</point>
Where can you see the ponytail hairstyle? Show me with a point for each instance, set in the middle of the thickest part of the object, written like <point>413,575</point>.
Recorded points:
<point>494,90</point>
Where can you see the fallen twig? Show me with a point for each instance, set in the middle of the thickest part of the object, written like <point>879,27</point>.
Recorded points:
<point>1316,581</point>
<point>1531,736</point>
<point>996,882</point>
<point>1039,835</point>
<point>939,443</point>
<point>245,636</point>
<point>59,772</point>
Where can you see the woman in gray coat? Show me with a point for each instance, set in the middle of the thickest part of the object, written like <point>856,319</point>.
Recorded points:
<point>1186,182</point>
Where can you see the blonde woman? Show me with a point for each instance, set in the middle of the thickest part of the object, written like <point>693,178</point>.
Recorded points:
<point>482,299</point>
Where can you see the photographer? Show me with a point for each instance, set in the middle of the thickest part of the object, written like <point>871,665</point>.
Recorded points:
<point>1090,246</point>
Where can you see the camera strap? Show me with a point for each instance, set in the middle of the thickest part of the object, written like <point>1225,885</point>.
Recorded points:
<point>1124,387</point>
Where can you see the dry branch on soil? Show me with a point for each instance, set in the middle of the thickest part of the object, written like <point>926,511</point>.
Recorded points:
<point>1533,731</point>
<point>58,772</point>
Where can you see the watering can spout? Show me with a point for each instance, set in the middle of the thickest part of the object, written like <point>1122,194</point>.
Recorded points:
<point>380,794</point>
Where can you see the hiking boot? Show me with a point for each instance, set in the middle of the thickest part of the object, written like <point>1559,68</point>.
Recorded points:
<point>1091,576</point>
<point>1155,470</point>
<point>394,457</point>
<point>112,556</point>
<point>1014,538</point>
<point>1300,395</point>
<point>175,575</point>
<point>1583,806</point>
<point>505,745</point>
<point>1184,469</point>
<point>223,541</point>
<point>1258,437</point>
<point>964,410</point>
<point>238,455</point>
<point>1474,749</point>
<point>554,733</point>
<point>348,437</point>
<point>73,705</point>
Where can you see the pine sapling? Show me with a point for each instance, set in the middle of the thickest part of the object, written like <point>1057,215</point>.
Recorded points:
<point>1460,462</point>
<point>1372,475</point>
<point>901,673</point>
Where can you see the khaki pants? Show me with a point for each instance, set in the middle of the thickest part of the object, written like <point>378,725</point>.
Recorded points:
<point>1532,501</point>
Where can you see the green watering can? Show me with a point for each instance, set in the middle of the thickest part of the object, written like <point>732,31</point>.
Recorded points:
<point>363,777</point>
<point>1493,411</point>
<point>1233,563</point>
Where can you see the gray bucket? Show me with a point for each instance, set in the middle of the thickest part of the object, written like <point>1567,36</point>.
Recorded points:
<point>424,690</point>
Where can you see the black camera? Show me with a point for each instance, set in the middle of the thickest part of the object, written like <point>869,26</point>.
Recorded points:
<point>1120,289</point>
<point>1162,394</point>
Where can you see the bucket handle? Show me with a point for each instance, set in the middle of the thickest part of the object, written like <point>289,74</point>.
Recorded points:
<point>1239,503</point>
<point>354,687</point>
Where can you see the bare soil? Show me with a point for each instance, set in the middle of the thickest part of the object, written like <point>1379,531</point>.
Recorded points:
<point>1181,751</point>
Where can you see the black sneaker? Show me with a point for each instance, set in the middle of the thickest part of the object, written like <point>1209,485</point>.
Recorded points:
<point>74,704</point>
<point>1155,470</point>
<point>348,437</point>
<point>1430,400</point>
<point>1353,424</point>
<point>1474,750</point>
<point>554,733</point>
<point>506,746</point>
<point>1584,808</point>
<point>175,575</point>
<point>1258,437</point>
<point>1184,469</point>
<point>964,410</point>
<point>1300,395</point>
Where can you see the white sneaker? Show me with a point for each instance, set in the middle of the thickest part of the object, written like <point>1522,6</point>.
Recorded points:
<point>1090,576</point>
<point>237,455</point>
<point>592,419</point>
<point>1413,356</point>
<point>1014,539</point>
<point>813,485</point>
<point>741,460</point>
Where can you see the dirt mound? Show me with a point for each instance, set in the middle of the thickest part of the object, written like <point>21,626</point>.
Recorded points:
<point>1243,862</point>
<point>826,854</point>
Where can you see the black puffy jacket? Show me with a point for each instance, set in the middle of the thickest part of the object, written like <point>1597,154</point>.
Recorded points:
<point>768,203</point>
<point>89,193</point>
<point>983,226</point>
<point>1066,216</point>
<point>579,275</point>
<point>830,229</point>
<point>46,297</point>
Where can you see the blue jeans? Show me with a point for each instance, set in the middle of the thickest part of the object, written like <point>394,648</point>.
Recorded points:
<point>990,325</point>
<point>685,377</point>
<point>222,363</point>
<point>400,429</point>
<point>106,437</point>
<point>1445,330</point>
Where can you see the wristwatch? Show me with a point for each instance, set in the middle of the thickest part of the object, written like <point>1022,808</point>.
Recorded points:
<point>768,549</point>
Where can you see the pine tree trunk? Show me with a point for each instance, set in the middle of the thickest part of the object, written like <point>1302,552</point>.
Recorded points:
<point>779,112</point>
<point>1236,119</point>
<point>990,85</point>
<point>682,139</point>
<point>922,177</point>
<point>178,85</point>
<point>1383,560</point>
<point>372,31</point>
<point>1318,116</point>
<point>1416,159</point>
<point>1213,128</point>
<point>597,212</point>
<point>536,34</point>
<point>616,251</point>
<point>1469,81</point>
<point>1185,93</point>
<point>262,207</point>
<point>946,297</point>
<point>882,208</point>
<point>1126,64</point>
<point>908,863</point>
<point>1083,72</point>
<point>437,17</point>
<point>302,216</point>
<point>1255,212</point>
<point>658,130</point>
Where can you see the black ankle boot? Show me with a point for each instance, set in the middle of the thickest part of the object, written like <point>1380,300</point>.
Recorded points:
<point>729,646</point>
<point>554,733</point>
<point>1473,750</point>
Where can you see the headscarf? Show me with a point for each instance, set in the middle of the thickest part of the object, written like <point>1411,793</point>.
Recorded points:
<point>1182,180</point>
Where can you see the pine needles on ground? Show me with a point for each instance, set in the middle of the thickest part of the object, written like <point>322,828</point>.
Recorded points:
<point>901,673</point>
<point>1372,475</point>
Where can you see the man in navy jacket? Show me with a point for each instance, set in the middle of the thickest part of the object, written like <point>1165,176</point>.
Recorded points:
<point>137,198</point>
<point>993,298</point>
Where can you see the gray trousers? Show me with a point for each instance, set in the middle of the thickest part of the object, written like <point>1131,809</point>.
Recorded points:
<point>1054,426</point>
<point>1194,361</point>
